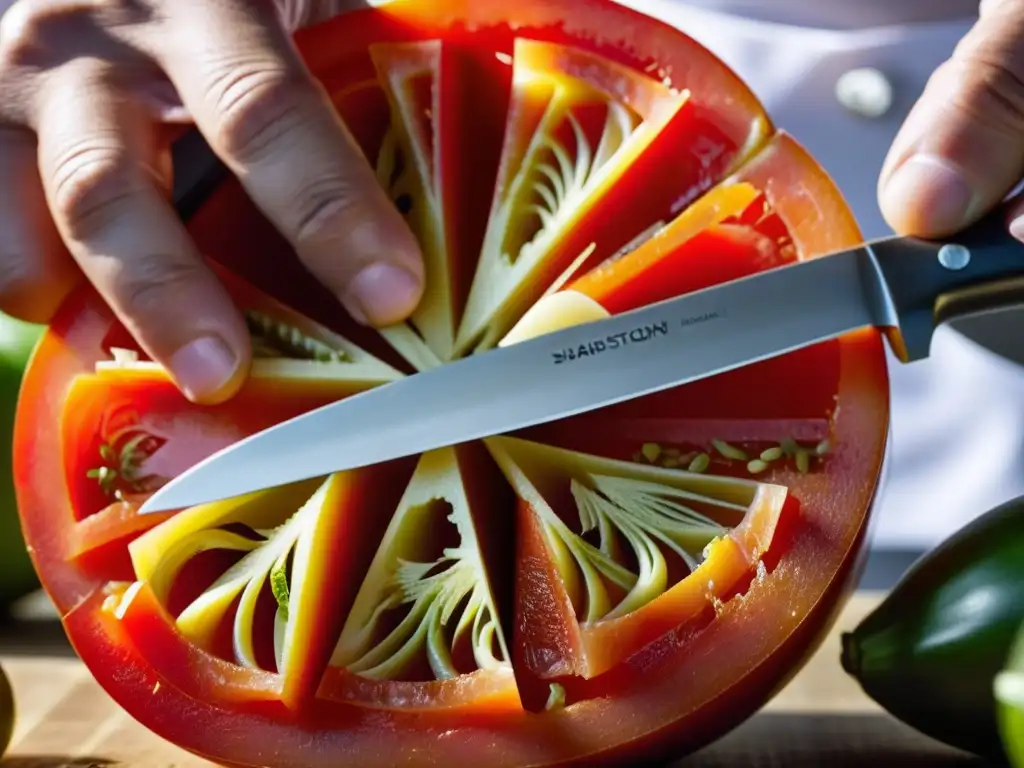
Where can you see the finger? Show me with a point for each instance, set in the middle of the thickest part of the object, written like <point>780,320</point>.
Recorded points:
<point>272,124</point>
<point>36,272</point>
<point>1015,216</point>
<point>96,157</point>
<point>961,149</point>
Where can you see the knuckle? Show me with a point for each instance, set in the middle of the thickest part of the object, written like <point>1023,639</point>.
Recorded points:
<point>999,91</point>
<point>254,107</point>
<point>20,34</point>
<point>325,208</point>
<point>29,27</point>
<point>124,13</point>
<point>988,88</point>
<point>40,35</point>
<point>92,184</point>
<point>152,287</point>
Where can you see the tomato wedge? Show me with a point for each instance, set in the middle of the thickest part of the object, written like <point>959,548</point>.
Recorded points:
<point>621,585</point>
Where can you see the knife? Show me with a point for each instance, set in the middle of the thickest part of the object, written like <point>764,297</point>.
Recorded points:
<point>904,286</point>
<point>198,172</point>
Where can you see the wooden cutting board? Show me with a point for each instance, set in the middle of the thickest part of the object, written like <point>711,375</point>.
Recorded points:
<point>821,718</point>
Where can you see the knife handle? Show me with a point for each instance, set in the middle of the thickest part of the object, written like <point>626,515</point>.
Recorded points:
<point>979,269</point>
<point>197,173</point>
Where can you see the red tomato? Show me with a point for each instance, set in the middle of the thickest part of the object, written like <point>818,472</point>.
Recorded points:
<point>628,583</point>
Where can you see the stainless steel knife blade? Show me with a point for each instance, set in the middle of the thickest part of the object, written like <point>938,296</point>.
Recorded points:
<point>554,376</point>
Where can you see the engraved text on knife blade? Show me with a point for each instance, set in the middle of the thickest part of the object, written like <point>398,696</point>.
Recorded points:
<point>638,335</point>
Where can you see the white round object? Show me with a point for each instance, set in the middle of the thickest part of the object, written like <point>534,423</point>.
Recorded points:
<point>865,91</point>
<point>954,256</point>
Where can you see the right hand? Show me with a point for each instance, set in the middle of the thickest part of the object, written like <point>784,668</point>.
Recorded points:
<point>84,89</point>
<point>960,151</point>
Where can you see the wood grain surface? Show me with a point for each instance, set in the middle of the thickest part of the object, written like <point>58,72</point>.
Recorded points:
<point>820,719</point>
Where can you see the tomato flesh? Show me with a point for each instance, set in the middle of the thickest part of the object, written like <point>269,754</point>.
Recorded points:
<point>631,582</point>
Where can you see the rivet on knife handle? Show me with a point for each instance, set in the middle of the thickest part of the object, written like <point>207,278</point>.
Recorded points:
<point>931,282</point>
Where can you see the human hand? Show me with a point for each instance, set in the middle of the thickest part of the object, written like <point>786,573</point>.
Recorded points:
<point>84,88</point>
<point>961,149</point>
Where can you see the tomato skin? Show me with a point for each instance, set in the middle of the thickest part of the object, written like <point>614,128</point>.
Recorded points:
<point>52,492</point>
<point>673,696</point>
<point>611,30</point>
<point>70,345</point>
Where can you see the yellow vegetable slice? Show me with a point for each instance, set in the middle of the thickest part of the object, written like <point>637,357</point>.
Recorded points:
<point>427,590</point>
<point>288,541</point>
<point>549,182</point>
<point>612,550</point>
<point>409,169</point>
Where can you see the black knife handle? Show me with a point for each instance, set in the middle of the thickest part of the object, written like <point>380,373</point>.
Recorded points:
<point>197,173</point>
<point>977,270</point>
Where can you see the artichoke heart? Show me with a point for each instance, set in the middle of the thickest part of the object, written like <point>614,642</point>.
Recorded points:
<point>630,532</point>
<point>425,608</point>
<point>584,136</point>
<point>278,550</point>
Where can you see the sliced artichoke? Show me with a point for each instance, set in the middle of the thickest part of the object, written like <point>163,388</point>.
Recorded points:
<point>421,598</point>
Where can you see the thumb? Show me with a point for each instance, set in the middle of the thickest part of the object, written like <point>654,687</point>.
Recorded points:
<point>961,149</point>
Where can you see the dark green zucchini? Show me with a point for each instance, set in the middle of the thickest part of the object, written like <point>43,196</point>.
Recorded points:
<point>929,652</point>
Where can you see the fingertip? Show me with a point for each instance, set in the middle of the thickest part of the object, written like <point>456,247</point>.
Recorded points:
<point>927,196</point>
<point>367,256</point>
<point>1015,216</point>
<point>1017,228</point>
<point>382,294</point>
<point>208,370</point>
<point>389,285</point>
<point>194,330</point>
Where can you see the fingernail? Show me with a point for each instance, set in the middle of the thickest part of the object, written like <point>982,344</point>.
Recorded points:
<point>1017,228</point>
<point>931,192</point>
<point>204,367</point>
<point>382,294</point>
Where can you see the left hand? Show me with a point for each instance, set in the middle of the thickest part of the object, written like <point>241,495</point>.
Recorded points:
<point>85,88</point>
<point>961,149</point>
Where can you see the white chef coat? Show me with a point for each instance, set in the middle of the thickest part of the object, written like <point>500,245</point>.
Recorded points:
<point>958,417</point>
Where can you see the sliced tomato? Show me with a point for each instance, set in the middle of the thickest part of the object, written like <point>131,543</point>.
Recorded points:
<point>595,153</point>
<point>623,584</point>
<point>132,429</point>
<point>664,266</point>
<point>404,110</point>
<point>576,617</point>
